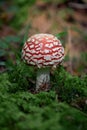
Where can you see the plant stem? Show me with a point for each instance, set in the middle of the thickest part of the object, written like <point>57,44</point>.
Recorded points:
<point>43,79</point>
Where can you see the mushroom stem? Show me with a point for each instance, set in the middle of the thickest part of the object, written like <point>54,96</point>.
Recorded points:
<point>43,79</point>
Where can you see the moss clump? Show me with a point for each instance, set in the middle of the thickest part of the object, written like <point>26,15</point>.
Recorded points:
<point>70,89</point>
<point>20,76</point>
<point>22,110</point>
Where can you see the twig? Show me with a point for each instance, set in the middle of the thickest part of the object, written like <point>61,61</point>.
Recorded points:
<point>78,6</point>
<point>69,48</point>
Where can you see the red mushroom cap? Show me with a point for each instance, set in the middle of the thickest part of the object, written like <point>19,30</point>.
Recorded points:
<point>43,50</point>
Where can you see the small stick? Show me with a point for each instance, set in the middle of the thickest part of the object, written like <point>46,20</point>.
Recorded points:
<point>78,6</point>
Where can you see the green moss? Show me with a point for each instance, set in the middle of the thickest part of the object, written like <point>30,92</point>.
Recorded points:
<point>20,76</point>
<point>22,110</point>
<point>4,83</point>
<point>69,87</point>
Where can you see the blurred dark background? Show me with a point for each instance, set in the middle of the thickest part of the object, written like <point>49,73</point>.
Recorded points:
<point>66,19</point>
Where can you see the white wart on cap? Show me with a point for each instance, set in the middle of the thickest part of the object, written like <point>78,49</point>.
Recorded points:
<point>43,50</point>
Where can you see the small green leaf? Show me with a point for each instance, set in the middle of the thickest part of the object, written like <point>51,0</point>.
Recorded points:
<point>10,39</point>
<point>2,53</point>
<point>26,33</point>
<point>13,9</point>
<point>62,34</point>
<point>2,63</point>
<point>3,44</point>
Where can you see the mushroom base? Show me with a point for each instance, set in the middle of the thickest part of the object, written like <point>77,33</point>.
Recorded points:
<point>43,79</point>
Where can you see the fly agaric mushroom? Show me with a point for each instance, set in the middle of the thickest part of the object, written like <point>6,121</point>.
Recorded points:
<point>43,51</point>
